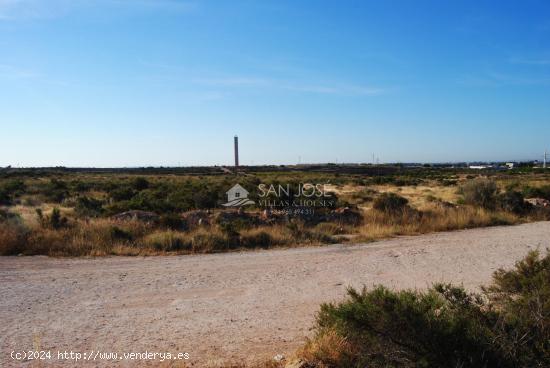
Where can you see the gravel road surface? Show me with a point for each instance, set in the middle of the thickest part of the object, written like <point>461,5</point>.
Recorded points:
<point>226,307</point>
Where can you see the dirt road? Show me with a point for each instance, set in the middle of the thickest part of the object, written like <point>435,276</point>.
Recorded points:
<point>226,307</point>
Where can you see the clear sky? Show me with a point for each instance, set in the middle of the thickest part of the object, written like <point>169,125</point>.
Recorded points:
<point>167,82</point>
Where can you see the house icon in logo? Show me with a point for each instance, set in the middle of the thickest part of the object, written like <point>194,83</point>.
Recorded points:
<point>237,196</point>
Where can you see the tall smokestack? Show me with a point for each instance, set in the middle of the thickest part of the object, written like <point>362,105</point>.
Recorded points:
<point>236,143</point>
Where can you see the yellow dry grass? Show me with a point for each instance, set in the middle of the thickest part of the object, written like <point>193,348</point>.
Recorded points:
<point>328,349</point>
<point>420,196</point>
<point>378,225</point>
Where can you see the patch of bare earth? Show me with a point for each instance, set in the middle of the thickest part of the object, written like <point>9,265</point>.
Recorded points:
<point>227,307</point>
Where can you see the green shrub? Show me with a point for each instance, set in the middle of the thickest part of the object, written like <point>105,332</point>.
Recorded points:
<point>122,194</point>
<point>448,182</point>
<point>181,199</point>
<point>140,184</point>
<point>173,221</point>
<point>81,186</point>
<point>55,191</point>
<point>406,181</point>
<point>206,199</point>
<point>11,189</point>
<point>212,242</point>
<point>512,201</point>
<point>522,297</point>
<point>540,192</point>
<point>377,180</point>
<point>480,193</point>
<point>54,220</point>
<point>7,216</point>
<point>169,241</point>
<point>411,329</point>
<point>4,196</point>
<point>116,233</point>
<point>88,207</point>
<point>506,326</point>
<point>390,203</point>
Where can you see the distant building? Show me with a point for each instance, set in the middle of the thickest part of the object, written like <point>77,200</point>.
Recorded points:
<point>480,167</point>
<point>510,165</point>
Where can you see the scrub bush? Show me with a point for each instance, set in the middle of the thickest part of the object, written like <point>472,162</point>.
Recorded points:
<point>480,193</point>
<point>508,325</point>
<point>390,203</point>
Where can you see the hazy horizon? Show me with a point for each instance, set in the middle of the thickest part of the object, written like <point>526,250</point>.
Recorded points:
<point>144,83</point>
<point>274,164</point>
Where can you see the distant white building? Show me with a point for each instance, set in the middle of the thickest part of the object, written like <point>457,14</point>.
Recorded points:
<point>480,167</point>
<point>510,165</point>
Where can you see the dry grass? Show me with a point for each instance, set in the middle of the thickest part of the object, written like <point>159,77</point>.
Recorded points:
<point>328,349</point>
<point>12,238</point>
<point>378,225</point>
<point>420,196</point>
<point>214,364</point>
<point>102,237</point>
<point>431,212</point>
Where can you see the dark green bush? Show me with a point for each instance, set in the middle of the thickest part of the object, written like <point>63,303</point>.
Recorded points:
<point>540,192</point>
<point>88,207</point>
<point>377,180</point>
<point>11,189</point>
<point>405,181</point>
<point>55,220</point>
<point>55,191</point>
<point>206,198</point>
<point>4,196</point>
<point>173,221</point>
<point>117,233</point>
<point>480,193</point>
<point>512,201</point>
<point>181,199</point>
<point>230,230</point>
<point>506,326</point>
<point>212,243</point>
<point>140,183</point>
<point>390,203</point>
<point>122,193</point>
<point>522,298</point>
<point>81,186</point>
<point>6,216</point>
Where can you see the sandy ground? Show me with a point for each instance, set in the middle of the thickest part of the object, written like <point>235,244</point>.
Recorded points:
<point>226,307</point>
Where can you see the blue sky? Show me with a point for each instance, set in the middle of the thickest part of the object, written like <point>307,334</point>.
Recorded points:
<point>166,82</point>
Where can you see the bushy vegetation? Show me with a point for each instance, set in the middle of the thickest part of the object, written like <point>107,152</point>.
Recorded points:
<point>56,236</point>
<point>508,325</point>
<point>537,192</point>
<point>480,192</point>
<point>390,203</point>
<point>10,190</point>
<point>79,210</point>
<point>514,202</point>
